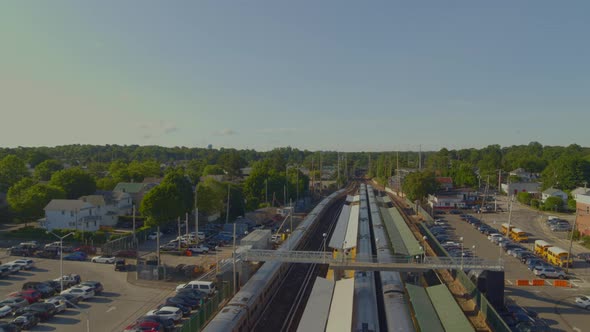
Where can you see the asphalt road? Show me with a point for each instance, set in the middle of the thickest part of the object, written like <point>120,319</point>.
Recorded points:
<point>120,304</point>
<point>554,304</point>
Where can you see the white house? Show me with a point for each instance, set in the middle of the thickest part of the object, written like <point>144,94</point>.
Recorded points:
<point>518,187</point>
<point>580,191</point>
<point>70,214</point>
<point>118,202</point>
<point>108,214</point>
<point>552,192</point>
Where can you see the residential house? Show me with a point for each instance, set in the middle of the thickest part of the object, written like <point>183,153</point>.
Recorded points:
<point>583,214</point>
<point>552,192</point>
<point>458,198</point>
<point>579,191</point>
<point>135,190</point>
<point>117,201</point>
<point>444,183</point>
<point>70,214</point>
<point>521,187</point>
<point>107,213</point>
<point>523,175</point>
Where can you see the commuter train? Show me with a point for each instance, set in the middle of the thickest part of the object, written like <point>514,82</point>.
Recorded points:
<point>244,309</point>
<point>397,313</point>
<point>366,312</point>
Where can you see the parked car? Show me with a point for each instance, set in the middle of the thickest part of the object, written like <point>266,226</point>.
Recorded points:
<point>169,246</point>
<point>167,312</point>
<point>30,295</point>
<point>583,301</point>
<point>26,321</point>
<point>5,271</point>
<point>20,251</point>
<point>186,311</point>
<point>42,310</point>
<point>95,285</point>
<point>69,280</point>
<point>9,327</point>
<point>47,253</point>
<point>26,264</point>
<point>85,292</point>
<point>154,235</point>
<point>176,300</point>
<point>88,250</point>
<point>200,249</point>
<point>76,256</point>
<point>6,310</point>
<point>14,268</point>
<point>14,302</point>
<point>103,259</point>
<point>59,302</point>
<point>167,324</point>
<point>138,326</point>
<point>72,299</point>
<point>549,272</point>
<point>120,265</point>
<point>125,253</point>
<point>45,289</point>
<point>561,228</point>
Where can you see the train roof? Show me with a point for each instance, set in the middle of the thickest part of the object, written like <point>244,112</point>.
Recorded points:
<point>423,309</point>
<point>354,198</point>
<point>340,318</point>
<point>353,228</point>
<point>339,232</point>
<point>226,319</point>
<point>449,312</point>
<point>317,309</point>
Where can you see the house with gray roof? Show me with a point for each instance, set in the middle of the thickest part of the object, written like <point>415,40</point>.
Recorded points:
<point>553,192</point>
<point>135,190</point>
<point>580,191</point>
<point>70,214</point>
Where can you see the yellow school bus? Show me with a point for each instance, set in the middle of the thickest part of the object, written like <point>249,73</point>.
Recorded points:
<point>504,229</point>
<point>559,257</point>
<point>518,235</point>
<point>541,248</point>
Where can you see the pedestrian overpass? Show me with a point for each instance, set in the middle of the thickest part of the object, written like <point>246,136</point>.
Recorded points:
<point>370,263</point>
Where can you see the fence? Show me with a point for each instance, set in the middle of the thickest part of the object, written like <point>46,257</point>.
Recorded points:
<point>127,242</point>
<point>151,272</point>
<point>198,320</point>
<point>494,320</point>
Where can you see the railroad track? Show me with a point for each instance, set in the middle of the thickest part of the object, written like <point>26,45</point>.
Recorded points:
<point>284,310</point>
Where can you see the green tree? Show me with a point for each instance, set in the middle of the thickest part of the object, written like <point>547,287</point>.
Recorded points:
<point>28,199</point>
<point>74,181</point>
<point>45,169</point>
<point>524,198</point>
<point>418,185</point>
<point>566,172</point>
<point>232,162</point>
<point>210,196</point>
<point>34,158</point>
<point>463,174</point>
<point>213,170</point>
<point>553,203</point>
<point>12,170</point>
<point>162,205</point>
<point>184,188</point>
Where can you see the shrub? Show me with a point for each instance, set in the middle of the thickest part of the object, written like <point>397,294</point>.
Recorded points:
<point>535,203</point>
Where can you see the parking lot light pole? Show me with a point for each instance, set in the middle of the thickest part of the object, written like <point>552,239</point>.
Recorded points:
<point>474,248</point>
<point>461,238</point>
<point>61,257</point>
<point>325,235</point>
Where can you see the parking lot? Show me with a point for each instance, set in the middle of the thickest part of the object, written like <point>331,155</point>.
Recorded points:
<point>120,304</point>
<point>553,304</point>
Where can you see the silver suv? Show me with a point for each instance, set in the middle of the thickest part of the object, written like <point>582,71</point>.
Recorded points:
<point>549,272</point>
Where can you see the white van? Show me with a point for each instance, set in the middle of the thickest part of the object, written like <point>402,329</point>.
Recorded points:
<point>207,287</point>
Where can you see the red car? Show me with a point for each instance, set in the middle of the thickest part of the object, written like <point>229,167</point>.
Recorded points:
<point>30,295</point>
<point>89,250</point>
<point>125,253</point>
<point>145,326</point>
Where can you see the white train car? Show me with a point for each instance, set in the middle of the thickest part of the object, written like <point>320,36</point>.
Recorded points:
<point>244,309</point>
<point>397,312</point>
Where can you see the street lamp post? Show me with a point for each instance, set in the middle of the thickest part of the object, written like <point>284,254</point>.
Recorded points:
<point>461,239</point>
<point>325,235</point>
<point>61,257</point>
<point>474,250</point>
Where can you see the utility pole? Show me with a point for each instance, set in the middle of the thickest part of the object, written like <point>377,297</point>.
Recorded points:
<point>196,214</point>
<point>186,223</point>
<point>266,190</point>
<point>338,167</point>
<point>569,253</point>
<point>321,185</point>
<point>499,180</point>
<point>297,186</point>
<point>420,157</point>
<point>227,209</point>
<point>179,238</point>
<point>234,261</point>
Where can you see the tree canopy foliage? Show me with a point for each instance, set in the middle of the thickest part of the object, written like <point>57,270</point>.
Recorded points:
<point>12,170</point>
<point>418,185</point>
<point>46,168</point>
<point>28,198</point>
<point>74,182</point>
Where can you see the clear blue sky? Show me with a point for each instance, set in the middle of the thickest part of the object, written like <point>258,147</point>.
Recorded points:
<point>340,75</point>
